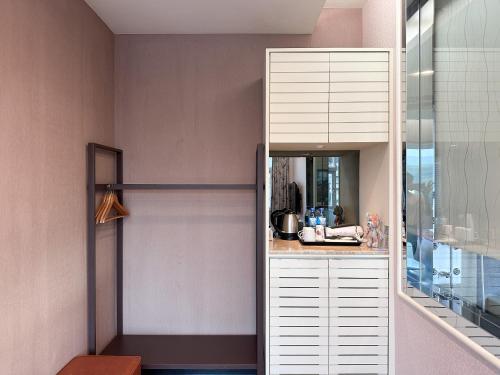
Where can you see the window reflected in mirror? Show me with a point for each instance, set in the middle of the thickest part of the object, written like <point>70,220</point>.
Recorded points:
<point>319,188</point>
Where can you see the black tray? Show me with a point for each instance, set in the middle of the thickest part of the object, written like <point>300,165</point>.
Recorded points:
<point>328,242</point>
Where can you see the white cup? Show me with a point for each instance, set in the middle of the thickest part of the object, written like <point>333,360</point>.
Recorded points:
<point>446,230</point>
<point>469,234</point>
<point>308,234</point>
<point>460,234</point>
<point>463,234</point>
<point>320,233</point>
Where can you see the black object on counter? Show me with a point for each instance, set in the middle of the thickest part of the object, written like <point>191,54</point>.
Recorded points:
<point>338,211</point>
<point>338,242</point>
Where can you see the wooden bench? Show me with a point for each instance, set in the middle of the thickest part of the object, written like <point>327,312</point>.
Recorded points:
<point>103,365</point>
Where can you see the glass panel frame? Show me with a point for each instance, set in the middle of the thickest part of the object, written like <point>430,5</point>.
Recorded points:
<point>450,264</point>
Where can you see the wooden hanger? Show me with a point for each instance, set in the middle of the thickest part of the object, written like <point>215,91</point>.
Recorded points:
<point>104,208</point>
<point>121,211</point>
<point>101,207</point>
<point>109,202</point>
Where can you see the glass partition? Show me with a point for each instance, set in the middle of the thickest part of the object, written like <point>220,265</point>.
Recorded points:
<point>451,158</point>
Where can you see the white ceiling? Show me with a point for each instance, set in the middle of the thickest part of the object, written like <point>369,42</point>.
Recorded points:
<point>345,3</point>
<point>209,16</point>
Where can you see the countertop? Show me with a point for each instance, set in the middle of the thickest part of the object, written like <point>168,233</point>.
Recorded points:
<point>284,247</point>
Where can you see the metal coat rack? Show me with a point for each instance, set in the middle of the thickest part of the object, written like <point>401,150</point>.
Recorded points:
<point>119,186</point>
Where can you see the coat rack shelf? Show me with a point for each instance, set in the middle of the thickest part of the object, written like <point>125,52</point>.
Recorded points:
<point>189,352</point>
<point>176,186</point>
<point>175,352</point>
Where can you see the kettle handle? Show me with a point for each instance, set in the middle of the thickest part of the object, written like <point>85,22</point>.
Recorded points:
<point>274,217</point>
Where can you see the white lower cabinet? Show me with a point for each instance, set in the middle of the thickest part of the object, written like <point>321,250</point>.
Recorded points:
<point>299,316</point>
<point>328,316</point>
<point>359,316</point>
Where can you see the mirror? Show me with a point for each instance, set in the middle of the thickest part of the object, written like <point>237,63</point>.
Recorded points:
<point>317,186</point>
<point>450,252</point>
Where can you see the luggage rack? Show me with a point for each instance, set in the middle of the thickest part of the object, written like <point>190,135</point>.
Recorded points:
<point>174,352</point>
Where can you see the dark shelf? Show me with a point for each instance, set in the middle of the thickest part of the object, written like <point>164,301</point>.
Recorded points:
<point>188,352</point>
<point>176,186</point>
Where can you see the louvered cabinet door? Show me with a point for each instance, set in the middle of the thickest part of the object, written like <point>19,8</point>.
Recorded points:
<point>298,97</point>
<point>359,96</point>
<point>359,316</point>
<point>298,320</point>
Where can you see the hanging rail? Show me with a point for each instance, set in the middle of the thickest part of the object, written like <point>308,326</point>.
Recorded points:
<point>176,186</point>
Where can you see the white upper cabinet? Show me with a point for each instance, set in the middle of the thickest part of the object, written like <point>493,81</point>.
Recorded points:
<point>298,87</point>
<point>359,96</point>
<point>328,96</point>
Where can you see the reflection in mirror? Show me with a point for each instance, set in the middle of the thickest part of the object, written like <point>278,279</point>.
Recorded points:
<point>319,188</point>
<point>451,143</point>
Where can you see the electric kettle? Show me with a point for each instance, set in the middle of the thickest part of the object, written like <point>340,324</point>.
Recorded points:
<point>286,224</point>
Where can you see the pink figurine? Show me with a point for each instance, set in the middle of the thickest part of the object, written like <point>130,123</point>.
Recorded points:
<point>374,233</point>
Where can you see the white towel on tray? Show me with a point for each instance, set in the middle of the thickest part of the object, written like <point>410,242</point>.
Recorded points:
<point>354,231</point>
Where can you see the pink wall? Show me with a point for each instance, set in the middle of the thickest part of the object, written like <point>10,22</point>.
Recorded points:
<point>378,32</point>
<point>189,108</point>
<point>423,348</point>
<point>379,23</point>
<point>56,94</point>
<point>337,28</point>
